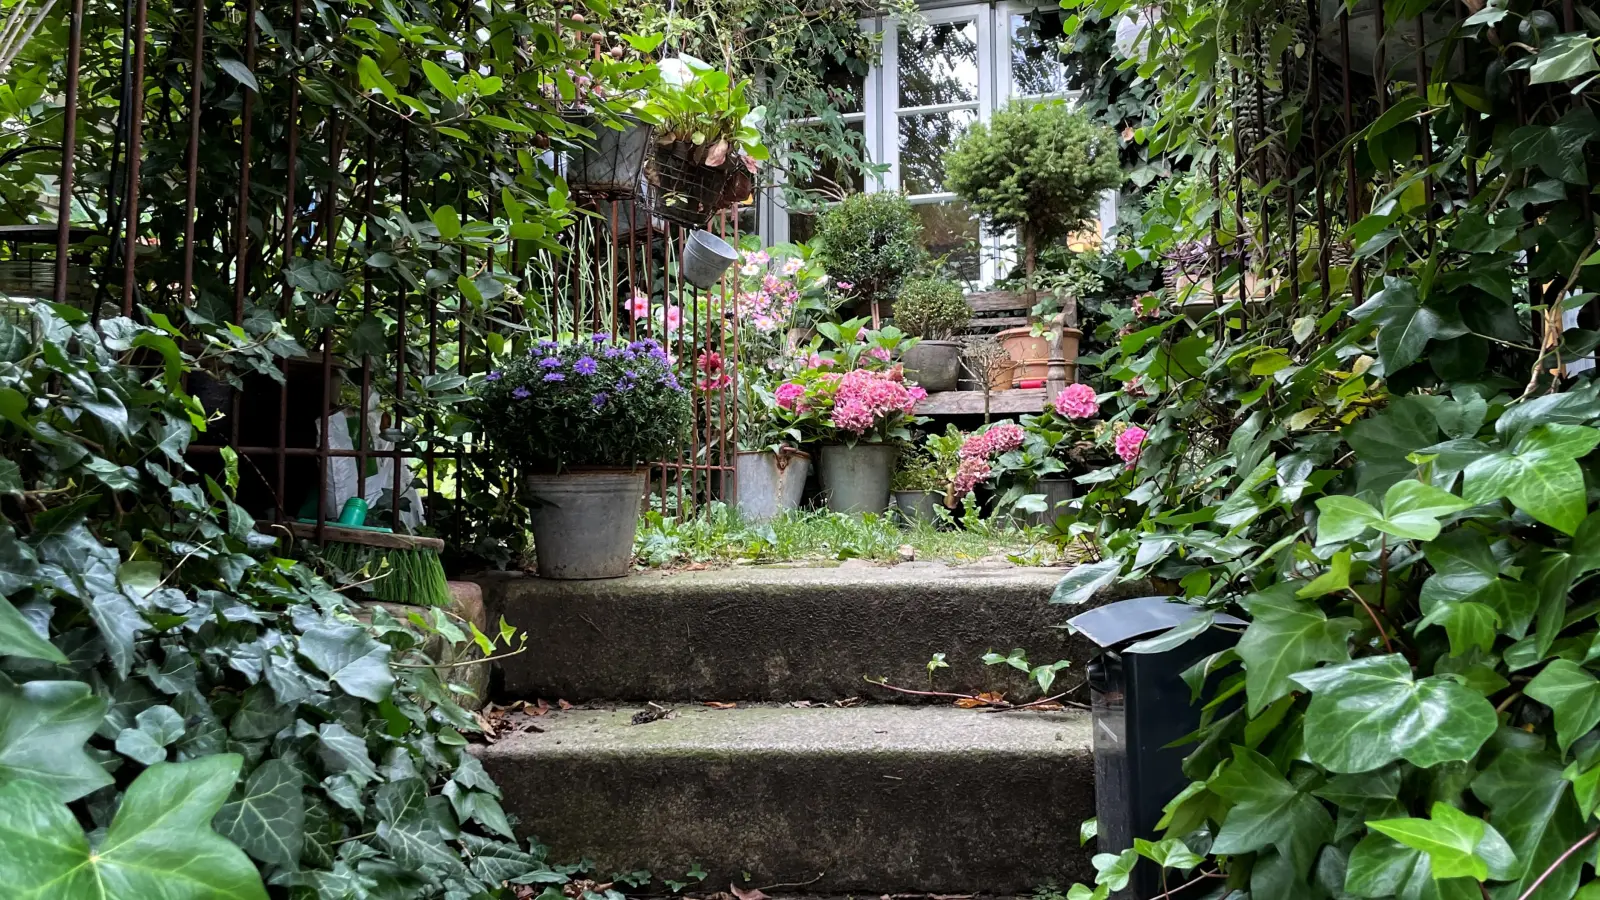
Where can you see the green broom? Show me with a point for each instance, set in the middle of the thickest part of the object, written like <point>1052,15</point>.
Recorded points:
<point>405,568</point>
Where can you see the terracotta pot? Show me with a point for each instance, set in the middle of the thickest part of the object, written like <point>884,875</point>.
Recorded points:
<point>1029,352</point>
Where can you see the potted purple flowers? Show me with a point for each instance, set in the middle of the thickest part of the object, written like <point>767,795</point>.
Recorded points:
<point>583,419</point>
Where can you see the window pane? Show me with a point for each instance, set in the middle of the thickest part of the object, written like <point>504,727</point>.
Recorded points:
<point>1036,62</point>
<point>951,231</point>
<point>846,89</point>
<point>924,140</point>
<point>802,228</point>
<point>939,64</point>
<point>829,174</point>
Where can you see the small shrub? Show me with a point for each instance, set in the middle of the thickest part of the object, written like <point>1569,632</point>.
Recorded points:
<point>593,402</point>
<point>931,308</point>
<point>871,242</point>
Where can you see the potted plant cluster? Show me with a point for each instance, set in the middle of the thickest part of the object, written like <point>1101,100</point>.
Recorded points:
<point>872,243</point>
<point>1034,478</point>
<point>582,419</point>
<point>707,141</point>
<point>932,309</point>
<point>859,407</point>
<point>938,476</point>
<point>1041,169</point>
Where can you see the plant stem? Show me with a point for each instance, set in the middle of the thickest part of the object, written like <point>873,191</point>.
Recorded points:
<point>457,665</point>
<point>1387,644</point>
<point>1201,877</point>
<point>1557,864</point>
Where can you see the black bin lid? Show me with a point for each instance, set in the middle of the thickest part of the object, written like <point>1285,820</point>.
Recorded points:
<point>1129,620</point>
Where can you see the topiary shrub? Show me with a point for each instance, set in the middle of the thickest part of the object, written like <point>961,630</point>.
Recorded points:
<point>871,242</point>
<point>931,308</point>
<point>1038,168</point>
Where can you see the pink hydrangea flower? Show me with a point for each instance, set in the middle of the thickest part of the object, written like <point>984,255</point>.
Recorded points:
<point>1001,438</point>
<point>968,475</point>
<point>789,394</point>
<point>846,286</point>
<point>879,353</point>
<point>1129,443</point>
<point>864,398</point>
<point>818,361</point>
<point>1077,402</point>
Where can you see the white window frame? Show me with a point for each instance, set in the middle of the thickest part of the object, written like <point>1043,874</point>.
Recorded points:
<point>882,113</point>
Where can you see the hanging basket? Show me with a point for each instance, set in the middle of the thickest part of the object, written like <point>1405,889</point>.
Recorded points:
<point>611,165</point>
<point>684,190</point>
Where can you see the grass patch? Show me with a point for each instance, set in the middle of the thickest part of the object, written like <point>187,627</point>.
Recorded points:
<point>719,536</point>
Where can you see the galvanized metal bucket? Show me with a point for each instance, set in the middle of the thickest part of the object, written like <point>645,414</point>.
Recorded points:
<point>584,522</point>
<point>856,478</point>
<point>770,484</point>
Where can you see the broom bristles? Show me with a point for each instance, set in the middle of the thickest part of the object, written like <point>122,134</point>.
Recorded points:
<point>415,577</point>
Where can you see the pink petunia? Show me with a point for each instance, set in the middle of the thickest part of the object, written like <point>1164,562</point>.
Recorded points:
<point>1129,443</point>
<point>674,318</point>
<point>1077,401</point>
<point>639,305</point>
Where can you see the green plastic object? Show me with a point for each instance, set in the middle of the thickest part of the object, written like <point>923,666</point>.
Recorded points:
<point>354,514</point>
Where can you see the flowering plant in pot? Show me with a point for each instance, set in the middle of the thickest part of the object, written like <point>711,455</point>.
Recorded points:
<point>581,418</point>
<point>933,310</point>
<point>1035,477</point>
<point>860,416</point>
<point>708,142</point>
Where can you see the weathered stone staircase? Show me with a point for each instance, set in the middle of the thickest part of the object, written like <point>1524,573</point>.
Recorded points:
<point>813,777</point>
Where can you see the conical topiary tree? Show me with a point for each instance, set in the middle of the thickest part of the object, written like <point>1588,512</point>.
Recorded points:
<point>1040,168</point>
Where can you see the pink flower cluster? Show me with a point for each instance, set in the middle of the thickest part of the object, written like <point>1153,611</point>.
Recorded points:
<point>789,394</point>
<point>771,300</point>
<point>864,398</point>
<point>1129,443</point>
<point>979,449</point>
<point>1077,402</point>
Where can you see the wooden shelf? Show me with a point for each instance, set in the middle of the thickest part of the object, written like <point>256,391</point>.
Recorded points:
<point>965,403</point>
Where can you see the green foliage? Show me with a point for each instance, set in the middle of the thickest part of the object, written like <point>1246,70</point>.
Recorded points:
<point>871,241</point>
<point>931,308</point>
<point>697,104</point>
<point>1038,167</point>
<point>148,619</point>
<point>585,403</point>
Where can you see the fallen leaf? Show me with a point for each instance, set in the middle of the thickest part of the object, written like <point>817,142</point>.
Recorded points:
<point>564,704</point>
<point>1046,707</point>
<point>539,710</point>
<point>985,699</point>
<point>742,894</point>
<point>719,705</point>
<point>970,703</point>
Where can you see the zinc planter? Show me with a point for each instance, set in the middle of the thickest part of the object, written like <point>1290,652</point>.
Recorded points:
<point>935,365</point>
<point>770,484</point>
<point>612,165</point>
<point>584,522</point>
<point>918,506</point>
<point>705,258</point>
<point>856,478</point>
<point>1056,491</point>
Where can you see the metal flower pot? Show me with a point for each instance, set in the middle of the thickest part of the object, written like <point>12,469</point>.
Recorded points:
<point>612,165</point>
<point>919,506</point>
<point>584,521</point>
<point>935,365</point>
<point>856,478</point>
<point>770,484</point>
<point>705,258</point>
<point>1056,491</point>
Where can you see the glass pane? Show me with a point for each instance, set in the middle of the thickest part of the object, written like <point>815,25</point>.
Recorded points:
<point>1037,66</point>
<point>951,231</point>
<point>802,228</point>
<point>832,176</point>
<point>846,89</point>
<point>924,140</point>
<point>939,64</point>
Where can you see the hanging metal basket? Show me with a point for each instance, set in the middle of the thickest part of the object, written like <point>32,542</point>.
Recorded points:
<point>682,189</point>
<point>611,166</point>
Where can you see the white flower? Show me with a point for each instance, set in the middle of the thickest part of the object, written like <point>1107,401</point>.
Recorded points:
<point>791,265</point>
<point>750,270</point>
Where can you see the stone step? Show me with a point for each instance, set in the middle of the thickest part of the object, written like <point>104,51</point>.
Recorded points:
<point>782,634</point>
<point>877,799</point>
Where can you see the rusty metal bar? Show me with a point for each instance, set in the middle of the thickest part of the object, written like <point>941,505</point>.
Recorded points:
<point>1352,187</point>
<point>1425,127</point>
<point>69,149</point>
<point>290,218</point>
<point>241,268</point>
<point>192,164</point>
<point>397,423</point>
<point>135,151</point>
<point>368,227</point>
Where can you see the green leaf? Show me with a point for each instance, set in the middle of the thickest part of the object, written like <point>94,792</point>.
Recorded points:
<point>1081,582</point>
<point>1412,509</point>
<point>1113,870</point>
<point>1169,853</point>
<point>1405,324</point>
<point>43,728</point>
<point>1467,624</point>
<point>1451,839</point>
<point>1286,635</point>
<point>439,78</point>
<point>1572,694</point>
<point>1369,712</point>
<point>1335,578</point>
<point>372,78</point>
<point>1380,867</point>
<point>1268,812</point>
<point>1564,57</point>
<point>17,637</point>
<point>159,845</point>
<point>1557,150</point>
<point>1344,518</point>
<point>266,816</point>
<point>448,221</point>
<point>350,656</point>
<point>156,728</point>
<point>1541,477</point>
<point>1530,803</point>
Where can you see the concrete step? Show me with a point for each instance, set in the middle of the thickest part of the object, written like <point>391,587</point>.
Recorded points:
<point>875,799</point>
<point>782,634</point>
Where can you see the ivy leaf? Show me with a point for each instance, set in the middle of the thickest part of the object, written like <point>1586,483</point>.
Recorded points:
<point>160,843</point>
<point>1465,569</point>
<point>1467,624</point>
<point>266,816</point>
<point>1405,324</point>
<point>1540,476</point>
<point>1572,694</point>
<point>1080,582</point>
<point>1369,712</point>
<point>17,637</point>
<point>346,753</point>
<point>156,728</point>
<point>43,728</point>
<point>1335,578</point>
<point>408,828</point>
<point>1411,511</point>
<point>1382,867</point>
<point>1268,812</point>
<point>350,656</point>
<point>1564,57</point>
<point>1169,853</point>
<point>1344,518</point>
<point>1286,635</point>
<point>1558,150</point>
<point>1457,845</point>
<point>1113,870</point>
<point>1529,803</point>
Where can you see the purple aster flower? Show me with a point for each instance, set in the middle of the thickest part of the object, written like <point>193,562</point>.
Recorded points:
<point>657,353</point>
<point>636,347</point>
<point>493,376</point>
<point>555,376</point>
<point>521,393</point>
<point>624,385</point>
<point>671,381</point>
<point>650,344</point>
<point>550,362</point>
<point>600,399</point>
<point>614,352</point>
<point>629,355</point>
<point>547,345</point>
<point>600,338</point>
<point>586,366</point>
